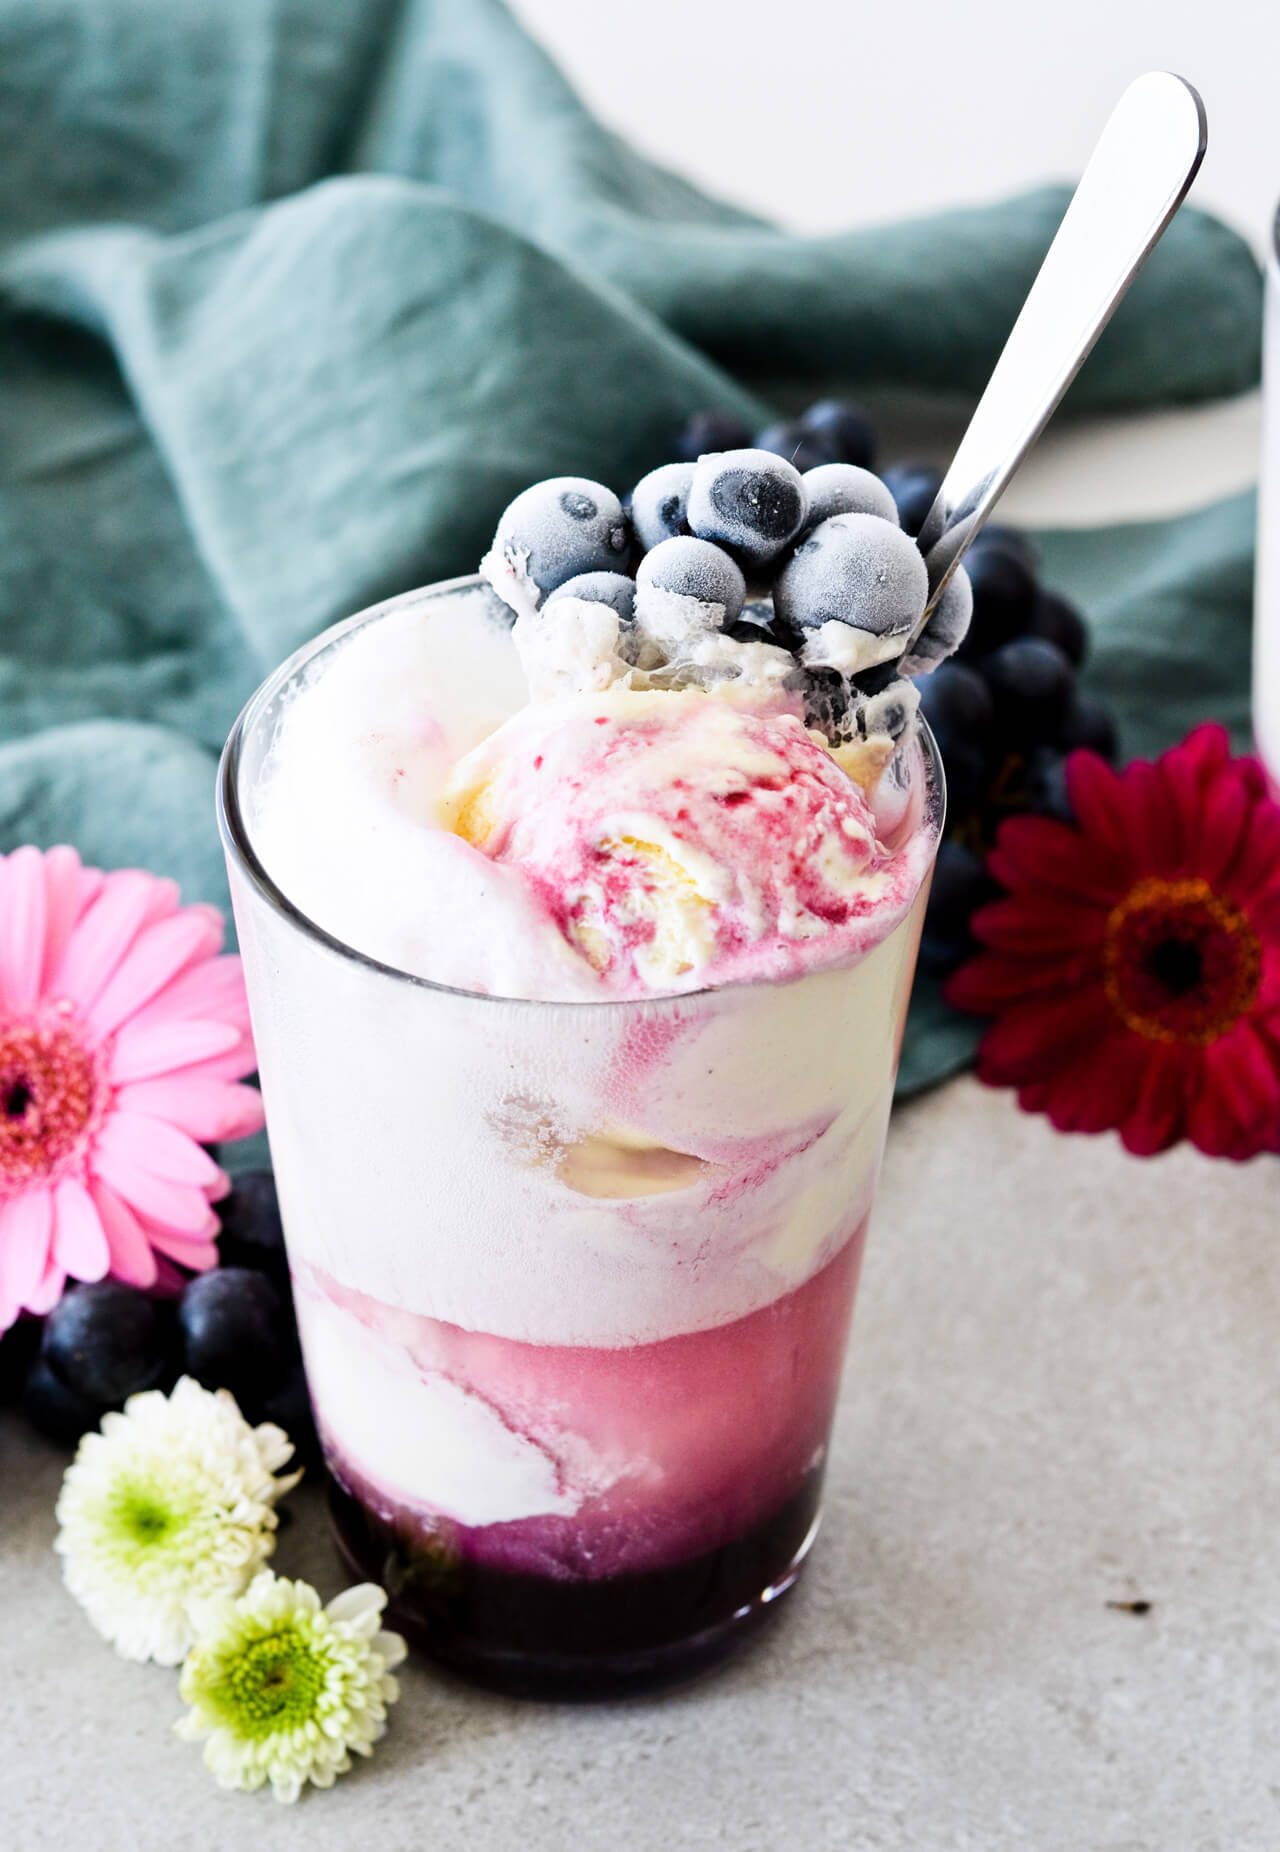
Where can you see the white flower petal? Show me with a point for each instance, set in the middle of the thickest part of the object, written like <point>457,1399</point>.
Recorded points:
<point>172,1504</point>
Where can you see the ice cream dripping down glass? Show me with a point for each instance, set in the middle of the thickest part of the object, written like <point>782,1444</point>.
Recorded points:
<point>573,1279</point>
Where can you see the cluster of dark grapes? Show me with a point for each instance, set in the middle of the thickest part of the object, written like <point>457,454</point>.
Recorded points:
<point>231,1328</point>
<point>1006,709</point>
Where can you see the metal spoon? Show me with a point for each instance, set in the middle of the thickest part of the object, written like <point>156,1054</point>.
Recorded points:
<point>1147,156</point>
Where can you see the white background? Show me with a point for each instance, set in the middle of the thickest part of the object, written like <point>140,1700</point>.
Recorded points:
<point>824,114</point>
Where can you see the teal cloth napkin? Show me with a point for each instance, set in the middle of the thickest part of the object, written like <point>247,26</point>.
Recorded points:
<point>295,296</point>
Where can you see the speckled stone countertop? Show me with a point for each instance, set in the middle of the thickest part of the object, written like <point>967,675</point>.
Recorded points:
<point>1064,1392</point>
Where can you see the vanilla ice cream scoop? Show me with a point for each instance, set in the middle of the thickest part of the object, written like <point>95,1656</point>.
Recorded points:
<point>678,840</point>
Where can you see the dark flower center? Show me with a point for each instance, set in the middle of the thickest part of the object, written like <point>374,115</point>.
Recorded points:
<point>49,1094</point>
<point>1181,964</point>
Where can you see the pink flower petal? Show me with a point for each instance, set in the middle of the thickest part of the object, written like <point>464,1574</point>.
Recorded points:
<point>156,955</point>
<point>131,1256</point>
<point>50,1289</point>
<point>199,1256</point>
<point>129,900</point>
<point>234,1065</point>
<point>67,891</point>
<point>22,924</point>
<point>178,1207</point>
<point>79,1239</point>
<point>143,1051</point>
<point>26,1232</point>
<point>210,1110</point>
<point>214,988</point>
<point>155,1146</point>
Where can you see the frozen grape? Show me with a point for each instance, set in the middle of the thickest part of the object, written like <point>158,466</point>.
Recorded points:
<point>749,501</point>
<point>562,527</point>
<point>612,588</point>
<point>863,577</point>
<point>946,629</point>
<point>659,503</point>
<point>843,488</point>
<point>684,587</point>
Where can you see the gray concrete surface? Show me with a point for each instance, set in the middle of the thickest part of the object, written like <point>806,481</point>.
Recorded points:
<point>1062,1392</point>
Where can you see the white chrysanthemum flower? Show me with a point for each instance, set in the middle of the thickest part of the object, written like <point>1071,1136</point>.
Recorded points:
<point>284,1689</point>
<point>171,1503</point>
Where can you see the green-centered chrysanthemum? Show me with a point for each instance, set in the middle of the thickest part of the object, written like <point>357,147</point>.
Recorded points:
<point>171,1503</point>
<point>282,1690</point>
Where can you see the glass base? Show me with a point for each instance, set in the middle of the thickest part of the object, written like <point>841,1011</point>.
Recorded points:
<point>536,1636</point>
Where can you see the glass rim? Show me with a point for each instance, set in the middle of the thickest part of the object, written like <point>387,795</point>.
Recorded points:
<point>238,844</point>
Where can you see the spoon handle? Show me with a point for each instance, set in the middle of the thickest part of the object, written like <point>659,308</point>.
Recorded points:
<point>1137,177</point>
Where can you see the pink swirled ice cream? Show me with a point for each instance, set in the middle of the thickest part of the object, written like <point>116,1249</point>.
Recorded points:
<point>680,839</point>
<point>573,1282</point>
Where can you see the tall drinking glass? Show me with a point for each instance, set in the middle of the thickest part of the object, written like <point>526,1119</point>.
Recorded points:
<point>573,1280</point>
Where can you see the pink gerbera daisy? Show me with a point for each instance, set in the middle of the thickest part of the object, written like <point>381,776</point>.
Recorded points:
<point>122,1038</point>
<point>1133,967</point>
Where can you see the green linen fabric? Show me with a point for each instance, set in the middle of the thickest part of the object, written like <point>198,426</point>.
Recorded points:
<point>295,294</point>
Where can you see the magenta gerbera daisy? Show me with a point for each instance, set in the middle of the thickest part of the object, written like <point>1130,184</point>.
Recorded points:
<point>123,1036</point>
<point>1133,969</point>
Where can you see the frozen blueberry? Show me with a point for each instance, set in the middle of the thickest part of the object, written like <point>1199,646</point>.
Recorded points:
<point>684,586</point>
<point>659,502</point>
<point>790,439</point>
<point>56,1410</point>
<point>957,703</point>
<point>1056,620</point>
<point>914,487</point>
<point>1088,723</point>
<point>846,427</point>
<point>563,527</point>
<point>708,431</point>
<point>1032,686</point>
<point>859,572</point>
<point>844,488</point>
<point>1004,591</point>
<point>236,1334</point>
<point>107,1341</point>
<point>830,705</point>
<point>612,588</point>
<point>946,629</point>
<point>749,501</point>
